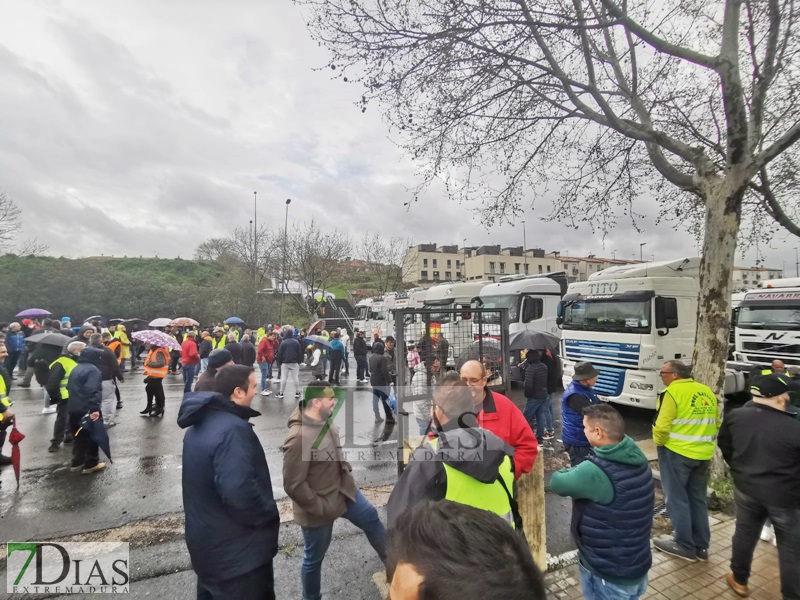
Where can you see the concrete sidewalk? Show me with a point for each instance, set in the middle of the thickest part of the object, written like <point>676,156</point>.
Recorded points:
<point>673,579</point>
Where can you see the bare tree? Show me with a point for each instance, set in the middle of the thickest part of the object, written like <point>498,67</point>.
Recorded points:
<point>593,102</point>
<point>384,260</point>
<point>238,248</point>
<point>313,256</point>
<point>9,221</point>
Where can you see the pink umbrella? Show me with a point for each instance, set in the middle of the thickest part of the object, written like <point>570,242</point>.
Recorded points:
<point>156,338</point>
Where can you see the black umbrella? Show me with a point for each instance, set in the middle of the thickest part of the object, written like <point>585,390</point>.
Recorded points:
<point>97,433</point>
<point>50,338</point>
<point>115,321</point>
<point>488,351</point>
<point>533,340</point>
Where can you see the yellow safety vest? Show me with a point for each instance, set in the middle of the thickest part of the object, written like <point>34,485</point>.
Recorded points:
<point>218,343</point>
<point>236,334</point>
<point>68,364</point>
<point>491,497</point>
<point>4,396</point>
<point>694,430</point>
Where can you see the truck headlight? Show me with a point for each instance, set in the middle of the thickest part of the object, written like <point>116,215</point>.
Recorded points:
<point>641,386</point>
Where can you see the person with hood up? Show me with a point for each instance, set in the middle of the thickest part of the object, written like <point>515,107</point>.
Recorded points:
<point>217,360</point>
<point>612,510</point>
<point>536,396</point>
<point>85,396</point>
<point>156,366</point>
<point>289,355</point>
<point>58,378</point>
<point>463,463</point>
<point>122,336</point>
<point>232,520</point>
<point>380,378</point>
<point>320,483</point>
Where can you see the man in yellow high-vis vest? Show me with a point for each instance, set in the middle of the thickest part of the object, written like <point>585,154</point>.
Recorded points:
<point>6,415</point>
<point>685,433</point>
<point>464,463</point>
<point>57,378</point>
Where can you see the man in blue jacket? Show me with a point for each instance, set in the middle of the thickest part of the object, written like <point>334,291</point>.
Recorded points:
<point>578,395</point>
<point>612,511</point>
<point>232,520</point>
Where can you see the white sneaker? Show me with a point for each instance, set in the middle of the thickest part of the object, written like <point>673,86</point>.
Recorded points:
<point>276,381</point>
<point>266,393</point>
<point>303,365</point>
<point>49,410</point>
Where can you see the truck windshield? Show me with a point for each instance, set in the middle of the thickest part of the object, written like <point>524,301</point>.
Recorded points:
<point>362,312</point>
<point>607,315</point>
<point>769,317</point>
<point>510,302</point>
<point>440,317</point>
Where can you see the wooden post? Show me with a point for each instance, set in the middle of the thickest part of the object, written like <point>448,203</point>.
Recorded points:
<point>530,496</point>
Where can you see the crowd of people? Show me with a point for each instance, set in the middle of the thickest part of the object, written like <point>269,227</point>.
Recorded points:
<point>460,483</point>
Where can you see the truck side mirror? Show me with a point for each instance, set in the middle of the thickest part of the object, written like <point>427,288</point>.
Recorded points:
<point>560,314</point>
<point>666,314</point>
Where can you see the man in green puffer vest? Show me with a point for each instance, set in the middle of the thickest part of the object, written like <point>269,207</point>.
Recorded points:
<point>463,463</point>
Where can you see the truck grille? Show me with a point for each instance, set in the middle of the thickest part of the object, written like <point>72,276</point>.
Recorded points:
<point>602,353</point>
<point>775,348</point>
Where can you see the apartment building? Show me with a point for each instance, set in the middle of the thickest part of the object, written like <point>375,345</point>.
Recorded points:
<point>428,264</point>
<point>747,278</point>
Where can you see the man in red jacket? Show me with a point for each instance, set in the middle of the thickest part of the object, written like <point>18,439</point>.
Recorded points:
<point>264,357</point>
<point>190,359</point>
<point>500,415</point>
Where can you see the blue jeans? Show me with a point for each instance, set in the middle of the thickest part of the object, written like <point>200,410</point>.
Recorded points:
<point>595,587</point>
<point>188,377</point>
<point>316,540</point>
<point>750,516</point>
<point>535,410</point>
<point>684,481</point>
<point>265,373</point>
<point>380,395</point>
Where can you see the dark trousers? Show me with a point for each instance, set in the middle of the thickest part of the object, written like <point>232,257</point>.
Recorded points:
<point>336,367</point>
<point>84,451</point>
<point>11,361</point>
<point>155,391</point>
<point>362,370</point>
<point>60,432</point>
<point>750,517</point>
<point>258,584</point>
<point>174,361</point>
<point>346,363</point>
<point>577,454</point>
<point>685,484</point>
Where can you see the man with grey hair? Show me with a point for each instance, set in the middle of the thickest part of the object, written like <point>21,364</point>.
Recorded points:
<point>110,370</point>
<point>57,379</point>
<point>685,434</point>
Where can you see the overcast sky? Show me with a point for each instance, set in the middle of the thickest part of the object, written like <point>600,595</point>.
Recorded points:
<point>141,127</point>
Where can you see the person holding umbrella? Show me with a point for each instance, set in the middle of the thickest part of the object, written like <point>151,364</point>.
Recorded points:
<point>57,380</point>
<point>156,366</point>
<point>85,395</point>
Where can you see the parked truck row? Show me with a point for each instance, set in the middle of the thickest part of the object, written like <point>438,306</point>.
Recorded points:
<point>627,320</point>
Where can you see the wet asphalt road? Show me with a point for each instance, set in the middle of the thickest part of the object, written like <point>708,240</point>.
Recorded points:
<point>144,482</point>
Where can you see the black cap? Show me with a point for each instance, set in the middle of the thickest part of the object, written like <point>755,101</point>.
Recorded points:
<point>219,357</point>
<point>585,370</point>
<point>774,384</point>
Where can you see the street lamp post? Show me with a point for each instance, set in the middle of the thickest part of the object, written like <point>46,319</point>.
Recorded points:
<point>525,246</point>
<point>796,263</point>
<point>285,239</point>
<point>255,237</point>
<point>642,245</point>
<point>464,264</point>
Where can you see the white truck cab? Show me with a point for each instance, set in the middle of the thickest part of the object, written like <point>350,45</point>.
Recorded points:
<point>627,321</point>
<point>768,324</point>
<point>456,328</point>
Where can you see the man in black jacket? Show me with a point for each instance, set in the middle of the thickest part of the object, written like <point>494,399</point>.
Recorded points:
<point>85,388</point>
<point>380,378</point>
<point>555,388</point>
<point>232,520</point>
<point>248,352</point>
<point>536,395</point>
<point>761,443</point>
<point>110,369</point>
<point>360,354</point>
<point>289,355</point>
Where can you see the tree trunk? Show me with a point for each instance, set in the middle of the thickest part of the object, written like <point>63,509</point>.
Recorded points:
<point>723,215</point>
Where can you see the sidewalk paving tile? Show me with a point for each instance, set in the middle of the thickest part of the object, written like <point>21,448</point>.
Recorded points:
<point>675,579</point>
